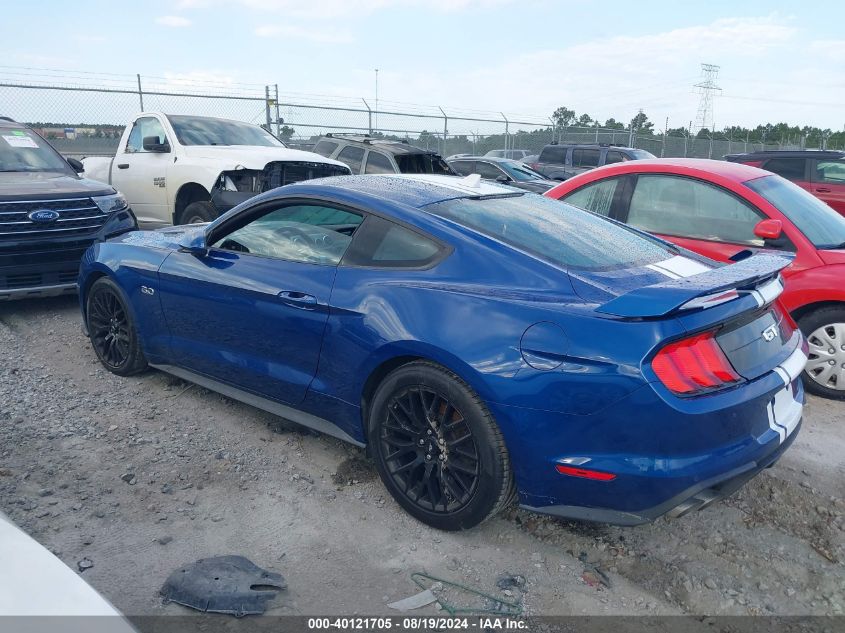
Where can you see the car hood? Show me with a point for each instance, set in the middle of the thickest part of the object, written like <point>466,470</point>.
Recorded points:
<point>168,238</point>
<point>254,156</point>
<point>832,256</point>
<point>48,185</point>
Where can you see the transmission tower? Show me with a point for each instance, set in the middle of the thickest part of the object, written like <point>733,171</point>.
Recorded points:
<point>707,88</point>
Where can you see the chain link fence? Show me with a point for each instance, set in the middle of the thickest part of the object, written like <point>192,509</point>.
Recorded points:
<point>84,114</point>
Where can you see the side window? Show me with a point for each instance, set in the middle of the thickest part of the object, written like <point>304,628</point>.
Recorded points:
<point>614,157</point>
<point>597,197</point>
<point>832,171</point>
<point>325,148</point>
<point>307,233</point>
<point>554,154</point>
<point>378,163</point>
<point>585,157</point>
<point>384,244</point>
<point>142,128</point>
<point>463,167</point>
<point>789,168</point>
<point>488,170</point>
<point>352,156</point>
<point>685,207</point>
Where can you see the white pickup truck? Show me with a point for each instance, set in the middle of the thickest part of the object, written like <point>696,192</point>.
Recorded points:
<point>176,169</point>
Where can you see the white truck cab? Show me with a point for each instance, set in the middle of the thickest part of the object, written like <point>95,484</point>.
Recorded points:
<point>178,169</point>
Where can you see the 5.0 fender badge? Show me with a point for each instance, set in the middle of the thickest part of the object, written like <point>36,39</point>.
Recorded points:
<point>147,290</point>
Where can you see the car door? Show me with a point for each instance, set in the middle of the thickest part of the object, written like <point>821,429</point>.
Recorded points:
<point>827,182</point>
<point>585,158</point>
<point>252,311</point>
<point>141,175</point>
<point>694,214</point>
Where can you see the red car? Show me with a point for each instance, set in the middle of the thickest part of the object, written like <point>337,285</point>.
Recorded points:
<point>822,173</point>
<point>726,211</point>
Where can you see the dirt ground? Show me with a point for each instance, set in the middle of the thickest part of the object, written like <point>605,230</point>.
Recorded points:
<point>140,475</point>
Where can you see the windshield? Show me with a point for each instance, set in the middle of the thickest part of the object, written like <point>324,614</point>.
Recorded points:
<point>520,172</point>
<point>207,131</point>
<point>641,154</point>
<point>823,226</point>
<point>24,150</point>
<point>555,231</point>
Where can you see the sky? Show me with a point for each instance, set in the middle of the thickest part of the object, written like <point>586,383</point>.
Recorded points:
<point>779,61</point>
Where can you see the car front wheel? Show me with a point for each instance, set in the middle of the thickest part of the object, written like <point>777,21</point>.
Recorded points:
<point>438,449</point>
<point>825,372</point>
<point>112,329</point>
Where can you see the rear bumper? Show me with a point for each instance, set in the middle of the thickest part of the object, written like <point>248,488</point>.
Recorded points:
<point>696,497</point>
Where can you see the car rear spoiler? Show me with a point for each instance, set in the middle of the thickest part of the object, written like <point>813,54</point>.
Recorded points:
<point>757,275</point>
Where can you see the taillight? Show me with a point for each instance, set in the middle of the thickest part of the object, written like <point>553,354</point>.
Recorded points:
<point>694,364</point>
<point>787,323</point>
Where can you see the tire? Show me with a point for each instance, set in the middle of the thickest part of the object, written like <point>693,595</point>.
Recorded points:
<point>445,464</point>
<point>825,331</point>
<point>198,212</point>
<point>112,330</point>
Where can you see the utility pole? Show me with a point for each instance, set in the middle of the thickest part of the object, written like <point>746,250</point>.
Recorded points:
<point>707,88</point>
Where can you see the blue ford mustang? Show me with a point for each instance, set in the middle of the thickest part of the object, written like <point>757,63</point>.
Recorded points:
<point>482,342</point>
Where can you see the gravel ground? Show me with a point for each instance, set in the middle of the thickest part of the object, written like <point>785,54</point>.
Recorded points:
<point>136,476</point>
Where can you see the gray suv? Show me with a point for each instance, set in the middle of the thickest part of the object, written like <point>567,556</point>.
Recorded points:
<point>560,162</point>
<point>370,155</point>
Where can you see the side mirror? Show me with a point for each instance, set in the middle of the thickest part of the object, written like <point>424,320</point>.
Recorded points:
<point>503,179</point>
<point>194,242</point>
<point>76,165</point>
<point>151,144</point>
<point>768,229</point>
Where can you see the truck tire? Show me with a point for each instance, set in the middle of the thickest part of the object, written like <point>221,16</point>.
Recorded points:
<point>198,213</point>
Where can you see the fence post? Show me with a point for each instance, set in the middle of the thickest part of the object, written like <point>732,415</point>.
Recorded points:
<point>631,136</point>
<point>507,133</point>
<point>140,92</point>
<point>278,114</point>
<point>554,129</point>
<point>369,116</point>
<point>445,130</point>
<point>267,108</point>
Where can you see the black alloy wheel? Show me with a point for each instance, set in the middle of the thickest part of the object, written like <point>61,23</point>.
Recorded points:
<point>112,330</point>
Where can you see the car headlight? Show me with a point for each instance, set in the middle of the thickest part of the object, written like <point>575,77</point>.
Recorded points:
<point>110,204</point>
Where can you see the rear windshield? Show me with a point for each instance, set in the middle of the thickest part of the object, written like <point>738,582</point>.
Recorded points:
<point>422,164</point>
<point>555,231</point>
<point>24,150</point>
<point>823,226</point>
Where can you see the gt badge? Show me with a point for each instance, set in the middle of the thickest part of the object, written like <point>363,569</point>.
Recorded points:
<point>770,333</point>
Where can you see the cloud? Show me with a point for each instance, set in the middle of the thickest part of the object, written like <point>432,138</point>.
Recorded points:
<point>319,33</point>
<point>175,21</point>
<point>329,9</point>
<point>832,49</point>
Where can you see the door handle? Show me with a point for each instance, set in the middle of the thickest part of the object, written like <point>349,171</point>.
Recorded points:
<point>298,299</point>
<point>822,190</point>
<point>123,166</point>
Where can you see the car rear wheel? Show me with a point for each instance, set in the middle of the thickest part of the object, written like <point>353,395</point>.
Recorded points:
<point>438,449</point>
<point>112,329</point>
<point>198,213</point>
<point>825,371</point>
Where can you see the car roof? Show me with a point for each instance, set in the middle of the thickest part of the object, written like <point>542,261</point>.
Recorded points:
<point>387,145</point>
<point>412,190</point>
<point>736,172</point>
<point>592,146</point>
<point>791,153</point>
<point>6,122</point>
<point>491,159</point>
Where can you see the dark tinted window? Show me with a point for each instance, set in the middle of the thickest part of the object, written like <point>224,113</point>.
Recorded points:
<point>672,205</point>
<point>378,163</point>
<point>325,148</point>
<point>352,156</point>
<point>614,157</point>
<point>832,171</point>
<point>306,233</point>
<point>823,226</point>
<point>463,167</point>
<point>554,231</point>
<point>597,197</point>
<point>383,244</point>
<point>422,164</point>
<point>789,168</point>
<point>488,170</point>
<point>553,154</point>
<point>585,157</point>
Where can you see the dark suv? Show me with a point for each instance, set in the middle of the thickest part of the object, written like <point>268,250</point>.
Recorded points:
<point>371,155</point>
<point>562,161</point>
<point>822,173</point>
<point>49,215</point>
